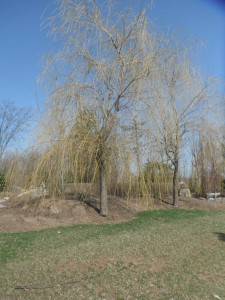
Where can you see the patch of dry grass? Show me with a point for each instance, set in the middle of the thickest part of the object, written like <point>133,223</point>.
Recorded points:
<point>173,254</point>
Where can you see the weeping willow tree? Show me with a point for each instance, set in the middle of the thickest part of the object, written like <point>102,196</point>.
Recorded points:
<point>67,149</point>
<point>207,160</point>
<point>176,105</point>
<point>158,178</point>
<point>95,79</point>
<point>19,169</point>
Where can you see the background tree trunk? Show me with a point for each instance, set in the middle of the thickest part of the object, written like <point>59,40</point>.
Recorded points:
<point>103,189</point>
<point>175,184</point>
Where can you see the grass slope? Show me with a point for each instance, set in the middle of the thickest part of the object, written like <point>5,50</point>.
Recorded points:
<point>174,254</point>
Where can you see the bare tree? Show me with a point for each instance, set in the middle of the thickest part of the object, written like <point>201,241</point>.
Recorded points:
<point>177,101</point>
<point>98,73</point>
<point>13,121</point>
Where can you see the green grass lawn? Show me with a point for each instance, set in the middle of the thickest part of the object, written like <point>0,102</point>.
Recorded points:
<point>174,254</point>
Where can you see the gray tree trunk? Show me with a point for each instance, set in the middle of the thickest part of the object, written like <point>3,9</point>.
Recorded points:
<point>103,190</point>
<point>175,184</point>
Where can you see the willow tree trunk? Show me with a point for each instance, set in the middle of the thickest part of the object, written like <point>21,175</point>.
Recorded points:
<point>103,189</point>
<point>175,184</point>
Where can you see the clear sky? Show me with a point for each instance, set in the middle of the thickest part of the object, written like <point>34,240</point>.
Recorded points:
<point>23,44</point>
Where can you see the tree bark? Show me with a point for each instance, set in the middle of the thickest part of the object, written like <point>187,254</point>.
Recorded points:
<point>103,189</point>
<point>175,184</point>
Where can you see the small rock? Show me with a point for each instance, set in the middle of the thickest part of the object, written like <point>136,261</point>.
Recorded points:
<point>185,193</point>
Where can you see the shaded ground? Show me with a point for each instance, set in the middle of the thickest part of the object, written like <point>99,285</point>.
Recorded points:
<point>23,214</point>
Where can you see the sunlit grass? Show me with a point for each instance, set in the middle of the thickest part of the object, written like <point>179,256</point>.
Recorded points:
<point>160,255</point>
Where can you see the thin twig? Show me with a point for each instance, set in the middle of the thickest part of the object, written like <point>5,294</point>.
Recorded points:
<point>29,287</point>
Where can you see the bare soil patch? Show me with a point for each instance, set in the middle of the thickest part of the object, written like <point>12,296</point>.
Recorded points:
<point>197,203</point>
<point>24,214</point>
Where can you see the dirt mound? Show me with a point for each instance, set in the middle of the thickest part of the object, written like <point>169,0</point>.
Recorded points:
<point>88,209</point>
<point>23,213</point>
<point>51,207</point>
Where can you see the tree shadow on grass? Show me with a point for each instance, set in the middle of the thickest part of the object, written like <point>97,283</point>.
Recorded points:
<point>221,236</point>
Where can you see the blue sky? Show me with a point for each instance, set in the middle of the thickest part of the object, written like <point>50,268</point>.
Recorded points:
<point>21,48</point>
<point>23,44</point>
<point>201,19</point>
